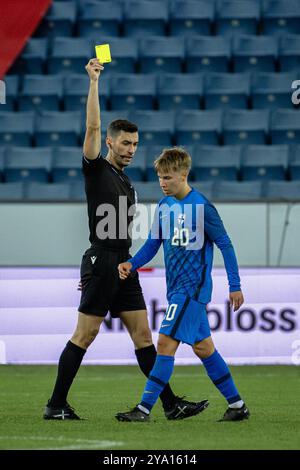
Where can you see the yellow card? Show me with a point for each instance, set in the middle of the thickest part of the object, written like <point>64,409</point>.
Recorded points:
<point>103,53</point>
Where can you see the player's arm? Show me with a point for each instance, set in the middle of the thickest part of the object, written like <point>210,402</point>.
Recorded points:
<point>215,230</point>
<point>146,252</point>
<point>92,140</point>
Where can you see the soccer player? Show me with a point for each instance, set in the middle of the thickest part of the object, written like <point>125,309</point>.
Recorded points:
<point>102,290</point>
<point>187,225</point>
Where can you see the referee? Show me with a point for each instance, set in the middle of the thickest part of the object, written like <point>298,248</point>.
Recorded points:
<point>102,290</point>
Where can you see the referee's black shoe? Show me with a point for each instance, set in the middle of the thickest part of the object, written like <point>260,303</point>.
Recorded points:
<point>236,414</point>
<point>62,413</point>
<point>182,409</point>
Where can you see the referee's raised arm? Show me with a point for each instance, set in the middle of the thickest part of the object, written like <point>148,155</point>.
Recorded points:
<point>92,140</point>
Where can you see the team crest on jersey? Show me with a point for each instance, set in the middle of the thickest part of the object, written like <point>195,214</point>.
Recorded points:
<point>181,219</point>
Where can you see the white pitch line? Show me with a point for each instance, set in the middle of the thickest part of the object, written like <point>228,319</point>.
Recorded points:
<point>87,443</point>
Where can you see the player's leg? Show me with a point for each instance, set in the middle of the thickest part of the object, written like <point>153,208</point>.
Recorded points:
<point>69,362</point>
<point>219,373</point>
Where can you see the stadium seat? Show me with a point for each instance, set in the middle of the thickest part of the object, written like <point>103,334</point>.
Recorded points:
<point>207,54</point>
<point>136,170</point>
<point>238,191</point>
<point>283,190</point>
<point>76,88</point>
<point>280,16</point>
<point>124,54</point>
<point>143,18</point>
<point>67,164</point>
<point>285,126</point>
<point>261,162</point>
<point>201,127</point>
<point>77,191</point>
<point>155,127</point>
<point>245,127</point>
<point>205,187</point>
<point>16,128</point>
<point>216,163</point>
<point>11,92</point>
<point>59,20</point>
<point>289,53</point>
<point>54,128</point>
<point>148,191</point>
<point>69,55</point>
<point>179,91</point>
<point>190,18</point>
<point>11,191</point>
<point>271,90</point>
<point>234,16</point>
<point>294,166</point>
<point>27,164</point>
<point>2,154</point>
<point>47,192</point>
<point>41,92</point>
<point>223,91</point>
<point>32,58</point>
<point>251,53</point>
<point>132,91</point>
<point>160,54</point>
<point>101,17</point>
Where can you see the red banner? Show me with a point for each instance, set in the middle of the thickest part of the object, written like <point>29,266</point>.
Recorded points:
<point>18,20</point>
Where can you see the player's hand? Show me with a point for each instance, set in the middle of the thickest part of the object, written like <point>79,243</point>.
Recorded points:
<point>236,299</point>
<point>124,270</point>
<point>94,68</point>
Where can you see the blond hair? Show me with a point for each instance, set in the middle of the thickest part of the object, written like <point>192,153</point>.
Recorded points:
<point>173,159</point>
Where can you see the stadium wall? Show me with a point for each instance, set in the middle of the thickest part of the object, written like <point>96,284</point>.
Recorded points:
<point>39,234</point>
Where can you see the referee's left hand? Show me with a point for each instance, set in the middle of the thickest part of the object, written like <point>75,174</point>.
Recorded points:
<point>124,270</point>
<point>236,299</point>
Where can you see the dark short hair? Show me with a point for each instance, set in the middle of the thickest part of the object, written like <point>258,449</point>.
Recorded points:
<point>118,125</point>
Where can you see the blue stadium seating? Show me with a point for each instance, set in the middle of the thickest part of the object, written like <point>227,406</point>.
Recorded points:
<point>76,88</point>
<point>136,170</point>
<point>59,20</point>
<point>27,164</point>
<point>124,54</point>
<point>202,127</point>
<point>289,53</point>
<point>143,18</point>
<point>77,191</point>
<point>179,91</point>
<point>33,57</point>
<point>48,192</point>
<point>148,191</point>
<point>2,153</point>
<point>207,54</point>
<point>238,191</point>
<point>55,128</point>
<point>106,118</point>
<point>155,127</point>
<point>260,162</point>
<point>223,91</point>
<point>190,18</point>
<point>234,16</point>
<point>153,152</point>
<point>161,54</point>
<point>11,91</point>
<point>206,188</point>
<point>283,190</point>
<point>12,191</point>
<point>67,165</point>
<point>271,90</point>
<point>41,92</point>
<point>254,53</point>
<point>16,128</point>
<point>69,55</point>
<point>285,126</point>
<point>245,127</point>
<point>294,166</point>
<point>101,17</point>
<point>216,163</point>
<point>133,91</point>
<point>280,16</point>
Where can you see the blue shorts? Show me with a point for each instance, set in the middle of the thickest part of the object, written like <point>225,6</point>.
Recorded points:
<point>185,320</point>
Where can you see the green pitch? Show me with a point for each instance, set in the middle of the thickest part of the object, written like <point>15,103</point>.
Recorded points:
<point>271,393</point>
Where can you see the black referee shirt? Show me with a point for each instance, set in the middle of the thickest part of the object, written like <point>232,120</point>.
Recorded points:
<point>104,184</point>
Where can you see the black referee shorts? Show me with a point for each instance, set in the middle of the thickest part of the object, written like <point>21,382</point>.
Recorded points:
<point>102,289</point>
